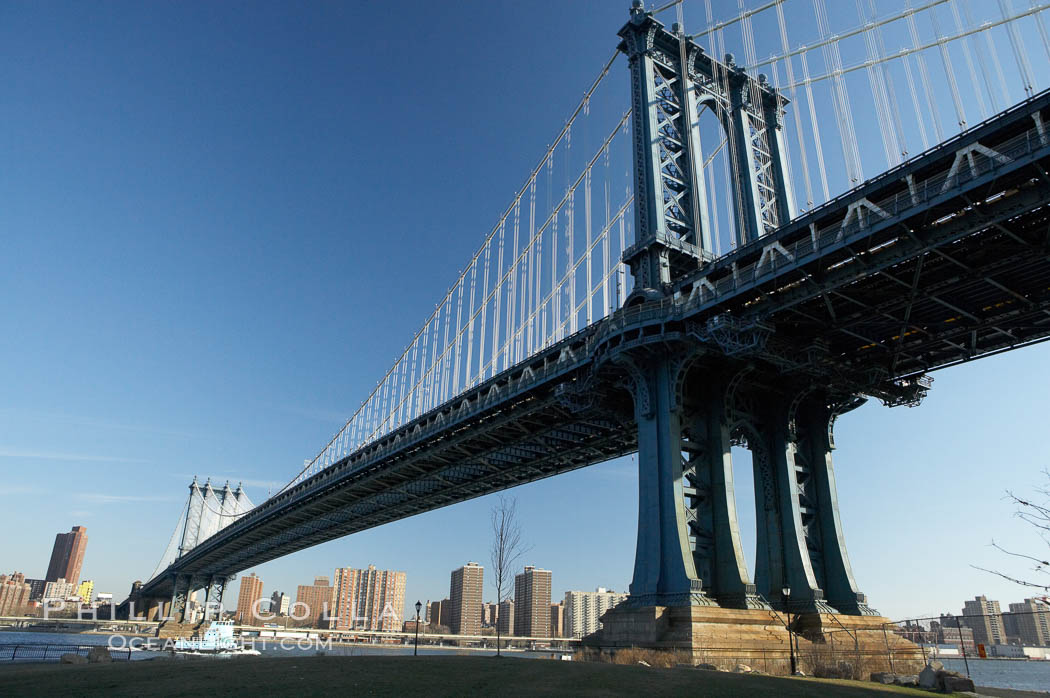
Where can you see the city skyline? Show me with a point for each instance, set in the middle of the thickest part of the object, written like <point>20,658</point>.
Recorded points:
<point>174,264</point>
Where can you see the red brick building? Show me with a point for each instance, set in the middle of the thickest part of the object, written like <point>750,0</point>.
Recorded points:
<point>67,557</point>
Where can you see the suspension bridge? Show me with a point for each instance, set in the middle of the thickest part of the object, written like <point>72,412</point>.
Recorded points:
<point>726,263</point>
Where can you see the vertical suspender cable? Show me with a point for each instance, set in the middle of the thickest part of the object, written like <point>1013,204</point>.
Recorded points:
<point>840,99</point>
<point>799,133</point>
<point>981,63</point>
<point>889,147</point>
<point>815,126</point>
<point>946,58</point>
<point>1006,7</point>
<point>925,74</point>
<point>891,92</point>
<point>1042,30</point>
<point>967,54</point>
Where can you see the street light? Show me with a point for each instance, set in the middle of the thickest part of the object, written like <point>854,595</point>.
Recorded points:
<point>786,593</point>
<point>419,607</point>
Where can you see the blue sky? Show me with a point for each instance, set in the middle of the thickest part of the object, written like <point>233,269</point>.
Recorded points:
<point>219,222</point>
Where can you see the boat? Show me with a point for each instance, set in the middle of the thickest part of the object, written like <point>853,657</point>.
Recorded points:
<point>217,639</point>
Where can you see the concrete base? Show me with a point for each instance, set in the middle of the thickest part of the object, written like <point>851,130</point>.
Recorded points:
<point>725,637</point>
<point>172,629</point>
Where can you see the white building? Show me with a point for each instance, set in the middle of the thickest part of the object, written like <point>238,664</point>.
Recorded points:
<point>279,602</point>
<point>583,609</point>
<point>58,590</point>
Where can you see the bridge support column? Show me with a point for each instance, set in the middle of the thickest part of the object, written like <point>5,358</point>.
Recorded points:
<point>711,500</point>
<point>814,427</point>
<point>208,598</point>
<point>688,551</point>
<point>179,594</point>
<point>783,558</point>
<point>664,570</point>
<point>800,541</point>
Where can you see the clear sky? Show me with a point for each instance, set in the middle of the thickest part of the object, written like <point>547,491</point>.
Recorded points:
<point>219,222</point>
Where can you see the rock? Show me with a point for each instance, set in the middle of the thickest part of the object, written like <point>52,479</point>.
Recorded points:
<point>99,655</point>
<point>72,658</point>
<point>906,680</point>
<point>935,665</point>
<point>742,669</point>
<point>928,676</point>
<point>957,684</point>
<point>884,677</point>
<point>643,663</point>
<point>708,667</point>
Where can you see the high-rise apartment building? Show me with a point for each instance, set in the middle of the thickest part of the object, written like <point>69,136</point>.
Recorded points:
<point>532,603</point>
<point>67,556</point>
<point>369,599</point>
<point>279,603</point>
<point>986,620</point>
<point>85,590</point>
<point>465,595</point>
<point>584,609</point>
<point>505,619</point>
<point>557,620</point>
<point>1032,620</point>
<point>251,591</point>
<point>316,602</point>
<point>14,594</point>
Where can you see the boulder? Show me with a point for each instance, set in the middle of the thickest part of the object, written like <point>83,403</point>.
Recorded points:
<point>73,658</point>
<point>742,669</point>
<point>99,655</point>
<point>708,667</point>
<point>957,684</point>
<point>906,680</point>
<point>884,677</point>
<point>928,676</point>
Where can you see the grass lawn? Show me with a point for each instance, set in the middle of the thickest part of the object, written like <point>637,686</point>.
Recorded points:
<point>403,676</point>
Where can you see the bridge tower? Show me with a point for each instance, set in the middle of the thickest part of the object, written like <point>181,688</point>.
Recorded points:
<point>694,399</point>
<point>672,78</point>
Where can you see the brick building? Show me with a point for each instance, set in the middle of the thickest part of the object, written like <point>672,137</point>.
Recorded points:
<point>251,591</point>
<point>532,603</point>
<point>465,597</point>
<point>369,599</point>
<point>67,556</point>
<point>315,602</point>
<point>14,594</point>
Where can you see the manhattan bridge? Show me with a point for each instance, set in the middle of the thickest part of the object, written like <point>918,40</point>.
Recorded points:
<point>718,250</point>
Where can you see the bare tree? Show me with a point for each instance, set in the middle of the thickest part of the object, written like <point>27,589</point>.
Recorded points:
<point>1038,516</point>
<point>507,549</point>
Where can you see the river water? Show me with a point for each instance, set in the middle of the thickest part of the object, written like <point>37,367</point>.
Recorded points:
<point>265,646</point>
<point>1031,675</point>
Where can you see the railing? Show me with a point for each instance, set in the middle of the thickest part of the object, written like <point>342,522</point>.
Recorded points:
<point>46,652</point>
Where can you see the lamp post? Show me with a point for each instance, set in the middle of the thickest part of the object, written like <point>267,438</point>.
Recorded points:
<point>786,593</point>
<point>419,607</point>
